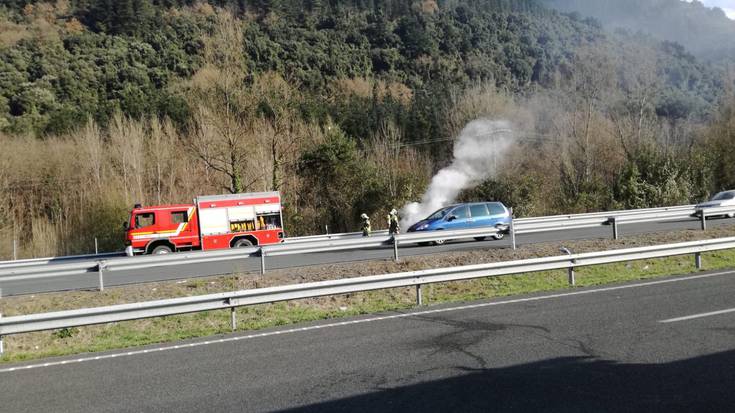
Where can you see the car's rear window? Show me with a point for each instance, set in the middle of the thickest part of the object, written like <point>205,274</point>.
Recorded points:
<point>496,208</point>
<point>478,210</point>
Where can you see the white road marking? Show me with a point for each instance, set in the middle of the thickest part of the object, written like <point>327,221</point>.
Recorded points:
<point>369,320</point>
<point>702,315</point>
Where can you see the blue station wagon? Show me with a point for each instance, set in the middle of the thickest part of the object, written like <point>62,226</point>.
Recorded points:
<point>466,216</point>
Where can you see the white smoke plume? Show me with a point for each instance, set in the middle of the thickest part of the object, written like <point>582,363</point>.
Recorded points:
<point>477,151</point>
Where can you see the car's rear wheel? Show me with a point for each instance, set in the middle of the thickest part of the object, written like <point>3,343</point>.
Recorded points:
<point>440,242</point>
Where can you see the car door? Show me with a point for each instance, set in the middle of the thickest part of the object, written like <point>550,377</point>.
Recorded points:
<point>457,218</point>
<point>185,233</point>
<point>479,216</point>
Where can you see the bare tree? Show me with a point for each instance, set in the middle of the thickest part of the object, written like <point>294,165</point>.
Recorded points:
<point>161,148</point>
<point>246,130</point>
<point>222,122</point>
<point>127,141</point>
<point>634,116</point>
<point>89,140</point>
<point>285,133</point>
<point>581,127</point>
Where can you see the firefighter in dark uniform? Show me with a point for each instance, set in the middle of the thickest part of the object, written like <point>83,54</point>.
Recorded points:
<point>365,225</point>
<point>393,226</point>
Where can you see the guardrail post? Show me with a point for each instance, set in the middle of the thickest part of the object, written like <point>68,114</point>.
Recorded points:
<point>614,223</point>
<point>512,231</point>
<point>96,249</point>
<point>704,220</point>
<point>233,318</point>
<point>100,270</point>
<point>262,261</point>
<point>419,301</point>
<point>572,280</point>
<point>2,347</point>
<point>395,247</point>
<point>698,260</point>
<point>570,271</point>
<point>15,249</point>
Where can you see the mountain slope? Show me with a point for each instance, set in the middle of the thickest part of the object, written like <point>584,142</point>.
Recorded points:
<point>707,32</point>
<point>62,64</point>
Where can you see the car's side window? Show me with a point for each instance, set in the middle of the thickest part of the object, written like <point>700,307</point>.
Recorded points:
<point>461,212</point>
<point>478,210</point>
<point>495,208</point>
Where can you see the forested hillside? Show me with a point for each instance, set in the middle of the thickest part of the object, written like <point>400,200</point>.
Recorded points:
<point>344,106</point>
<point>65,64</point>
<point>68,61</point>
<point>706,32</point>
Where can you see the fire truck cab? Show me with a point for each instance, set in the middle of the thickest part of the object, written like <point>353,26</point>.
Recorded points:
<point>211,222</point>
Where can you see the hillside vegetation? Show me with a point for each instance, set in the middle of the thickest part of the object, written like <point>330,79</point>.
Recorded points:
<point>705,31</point>
<point>346,107</point>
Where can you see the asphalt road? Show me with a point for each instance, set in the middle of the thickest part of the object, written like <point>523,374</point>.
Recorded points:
<point>605,349</point>
<point>90,280</point>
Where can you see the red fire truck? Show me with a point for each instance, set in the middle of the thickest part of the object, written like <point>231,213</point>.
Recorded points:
<point>210,223</point>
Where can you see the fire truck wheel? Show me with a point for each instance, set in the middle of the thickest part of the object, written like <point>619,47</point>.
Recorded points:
<point>161,249</point>
<point>242,242</point>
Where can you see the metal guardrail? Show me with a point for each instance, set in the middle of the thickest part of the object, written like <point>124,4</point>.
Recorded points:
<point>200,257</point>
<point>328,237</point>
<point>525,227</point>
<point>337,236</point>
<point>231,300</point>
<point>617,212</point>
<point>716,211</point>
<point>92,259</point>
<point>48,260</point>
<point>344,242</point>
<point>519,221</point>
